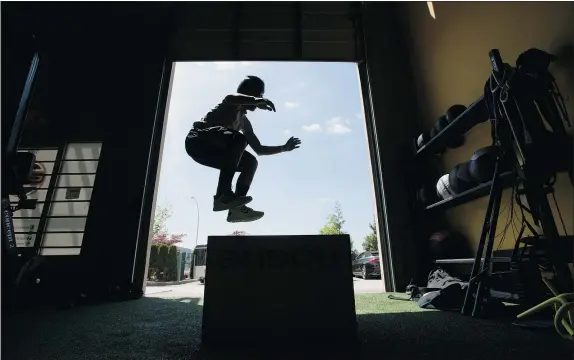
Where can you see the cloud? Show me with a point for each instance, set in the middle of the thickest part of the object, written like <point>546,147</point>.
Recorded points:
<point>291,105</point>
<point>337,126</point>
<point>312,128</point>
<point>359,115</point>
<point>231,65</point>
<point>286,132</point>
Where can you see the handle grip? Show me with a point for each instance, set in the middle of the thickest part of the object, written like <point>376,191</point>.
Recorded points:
<point>496,60</point>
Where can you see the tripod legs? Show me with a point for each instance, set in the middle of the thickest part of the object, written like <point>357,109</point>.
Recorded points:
<point>484,278</point>
<point>480,267</point>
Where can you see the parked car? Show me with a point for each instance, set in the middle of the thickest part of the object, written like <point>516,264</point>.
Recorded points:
<point>367,265</point>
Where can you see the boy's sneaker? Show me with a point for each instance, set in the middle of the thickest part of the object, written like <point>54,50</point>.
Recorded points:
<point>229,201</point>
<point>244,214</point>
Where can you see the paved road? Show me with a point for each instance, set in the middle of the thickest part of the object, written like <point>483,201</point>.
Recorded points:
<point>195,289</point>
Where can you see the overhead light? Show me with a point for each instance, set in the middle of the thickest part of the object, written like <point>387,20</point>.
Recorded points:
<point>431,9</point>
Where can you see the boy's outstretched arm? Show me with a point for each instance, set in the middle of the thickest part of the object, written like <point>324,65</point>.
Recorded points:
<point>247,100</point>
<point>255,144</point>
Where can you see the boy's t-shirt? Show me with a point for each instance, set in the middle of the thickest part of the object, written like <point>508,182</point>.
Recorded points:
<point>225,115</point>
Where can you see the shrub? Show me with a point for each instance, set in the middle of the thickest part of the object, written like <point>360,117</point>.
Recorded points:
<point>163,262</point>
<point>152,267</point>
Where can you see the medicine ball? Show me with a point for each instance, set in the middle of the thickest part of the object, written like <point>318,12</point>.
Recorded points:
<point>427,195</point>
<point>443,188</point>
<point>454,111</point>
<point>460,179</point>
<point>422,196</point>
<point>423,139</point>
<point>446,244</point>
<point>432,132</point>
<point>455,141</point>
<point>482,164</point>
<point>441,124</point>
<point>438,244</point>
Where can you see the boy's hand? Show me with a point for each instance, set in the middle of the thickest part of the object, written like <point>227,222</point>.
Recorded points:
<point>291,144</point>
<point>266,104</point>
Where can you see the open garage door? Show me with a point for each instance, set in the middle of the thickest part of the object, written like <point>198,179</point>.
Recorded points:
<point>303,31</point>
<point>264,31</point>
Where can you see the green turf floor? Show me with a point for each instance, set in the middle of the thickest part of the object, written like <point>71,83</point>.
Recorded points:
<point>162,329</point>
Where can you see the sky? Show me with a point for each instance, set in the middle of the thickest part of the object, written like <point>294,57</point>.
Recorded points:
<point>320,103</point>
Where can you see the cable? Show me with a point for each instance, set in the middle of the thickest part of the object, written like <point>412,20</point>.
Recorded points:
<point>522,209</point>
<point>499,215</point>
<point>509,220</point>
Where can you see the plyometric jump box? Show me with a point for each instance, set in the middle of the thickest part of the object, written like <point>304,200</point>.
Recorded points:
<point>279,291</point>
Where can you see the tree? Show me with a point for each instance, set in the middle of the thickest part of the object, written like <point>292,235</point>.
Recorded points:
<point>335,222</point>
<point>167,239</point>
<point>371,242</point>
<point>159,229</point>
<point>160,220</point>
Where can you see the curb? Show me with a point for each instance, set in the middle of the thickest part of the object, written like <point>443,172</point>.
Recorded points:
<point>166,283</point>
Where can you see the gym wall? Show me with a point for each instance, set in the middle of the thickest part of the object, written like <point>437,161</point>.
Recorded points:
<point>450,62</point>
<point>98,83</point>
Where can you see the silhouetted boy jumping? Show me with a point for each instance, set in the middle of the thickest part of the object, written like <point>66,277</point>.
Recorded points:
<point>219,141</point>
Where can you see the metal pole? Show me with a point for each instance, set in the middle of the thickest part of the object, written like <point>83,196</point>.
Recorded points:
<point>483,288</point>
<point>196,237</point>
<point>486,226</point>
<point>197,226</point>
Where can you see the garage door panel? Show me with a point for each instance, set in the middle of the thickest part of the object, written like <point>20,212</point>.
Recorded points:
<point>203,21</point>
<point>317,50</point>
<point>341,7</point>
<point>269,50</point>
<point>264,31</point>
<point>277,7</point>
<point>325,22</point>
<point>210,19</point>
<point>204,51</point>
<point>229,37</point>
<point>207,35</point>
<point>271,35</point>
<point>327,36</point>
<point>285,21</point>
<point>206,8</point>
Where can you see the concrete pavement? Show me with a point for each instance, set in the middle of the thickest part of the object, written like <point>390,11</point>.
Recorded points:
<point>369,286</point>
<point>195,289</point>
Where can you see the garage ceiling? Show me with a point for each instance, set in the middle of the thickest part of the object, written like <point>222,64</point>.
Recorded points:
<point>259,31</point>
